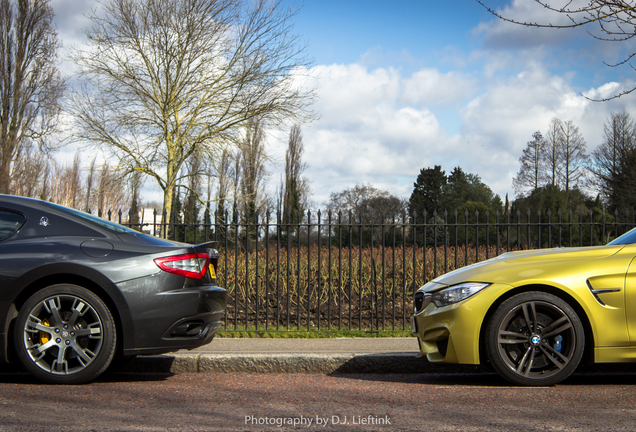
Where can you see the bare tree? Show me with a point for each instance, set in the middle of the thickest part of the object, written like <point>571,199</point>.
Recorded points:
<point>168,79</point>
<point>90,179</point>
<point>611,162</point>
<point>373,205</point>
<point>355,198</point>
<point>196,174</point>
<point>616,20</point>
<point>383,207</point>
<point>31,86</point>
<point>619,137</point>
<point>295,189</point>
<point>573,157</point>
<point>558,159</point>
<point>111,192</point>
<point>531,174</point>
<point>553,150</point>
<point>74,182</point>
<point>29,173</point>
<point>66,185</point>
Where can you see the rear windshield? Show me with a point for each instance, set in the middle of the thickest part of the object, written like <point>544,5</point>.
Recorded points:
<point>10,222</point>
<point>96,220</point>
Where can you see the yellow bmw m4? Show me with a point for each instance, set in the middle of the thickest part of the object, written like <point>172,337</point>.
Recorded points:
<point>534,315</point>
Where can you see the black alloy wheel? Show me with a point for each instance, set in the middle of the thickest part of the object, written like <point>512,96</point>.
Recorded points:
<point>65,334</point>
<point>535,338</point>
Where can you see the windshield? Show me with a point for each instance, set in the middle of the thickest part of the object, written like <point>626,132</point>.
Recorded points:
<point>96,220</point>
<point>628,238</point>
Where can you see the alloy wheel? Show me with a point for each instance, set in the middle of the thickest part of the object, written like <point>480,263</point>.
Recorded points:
<point>65,334</point>
<point>535,338</point>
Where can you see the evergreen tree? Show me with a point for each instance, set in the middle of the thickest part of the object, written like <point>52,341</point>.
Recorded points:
<point>462,187</point>
<point>428,191</point>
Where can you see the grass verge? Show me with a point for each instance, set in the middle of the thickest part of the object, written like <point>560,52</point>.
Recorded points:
<point>252,332</point>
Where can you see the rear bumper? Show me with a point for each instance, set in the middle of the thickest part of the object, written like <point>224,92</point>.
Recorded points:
<point>185,318</point>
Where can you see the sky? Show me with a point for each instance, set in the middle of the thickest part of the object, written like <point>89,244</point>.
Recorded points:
<point>405,85</point>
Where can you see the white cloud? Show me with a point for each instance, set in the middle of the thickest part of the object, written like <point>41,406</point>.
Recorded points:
<point>429,86</point>
<point>380,127</point>
<point>499,123</point>
<point>498,33</point>
<point>374,128</point>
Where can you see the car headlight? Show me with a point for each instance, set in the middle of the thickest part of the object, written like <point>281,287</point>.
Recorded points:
<point>457,293</point>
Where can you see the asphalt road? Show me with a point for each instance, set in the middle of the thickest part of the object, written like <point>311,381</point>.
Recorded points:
<point>210,402</point>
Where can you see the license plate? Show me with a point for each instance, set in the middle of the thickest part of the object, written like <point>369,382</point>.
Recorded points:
<point>212,272</point>
<point>413,325</point>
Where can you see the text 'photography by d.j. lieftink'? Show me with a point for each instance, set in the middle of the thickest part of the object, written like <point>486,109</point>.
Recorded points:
<point>317,420</point>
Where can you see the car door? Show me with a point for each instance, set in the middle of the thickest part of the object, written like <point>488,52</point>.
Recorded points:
<point>630,300</point>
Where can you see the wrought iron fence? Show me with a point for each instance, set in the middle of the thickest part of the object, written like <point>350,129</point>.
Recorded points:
<point>340,272</point>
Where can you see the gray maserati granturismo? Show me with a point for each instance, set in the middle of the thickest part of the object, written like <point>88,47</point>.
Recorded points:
<point>78,293</point>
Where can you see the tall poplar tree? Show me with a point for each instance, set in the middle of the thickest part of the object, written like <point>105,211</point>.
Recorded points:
<point>31,86</point>
<point>295,187</point>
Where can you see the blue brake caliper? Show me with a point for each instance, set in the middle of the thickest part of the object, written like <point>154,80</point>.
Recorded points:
<point>557,344</point>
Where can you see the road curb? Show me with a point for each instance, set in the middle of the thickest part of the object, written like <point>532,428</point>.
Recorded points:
<point>293,363</point>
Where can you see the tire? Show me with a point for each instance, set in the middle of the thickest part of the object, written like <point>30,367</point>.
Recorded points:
<point>65,334</point>
<point>535,338</point>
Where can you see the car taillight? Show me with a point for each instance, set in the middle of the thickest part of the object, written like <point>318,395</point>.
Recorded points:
<point>192,265</point>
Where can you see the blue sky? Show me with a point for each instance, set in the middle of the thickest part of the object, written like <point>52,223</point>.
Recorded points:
<point>408,33</point>
<point>405,85</point>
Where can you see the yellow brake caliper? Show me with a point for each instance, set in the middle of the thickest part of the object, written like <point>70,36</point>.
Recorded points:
<point>45,337</point>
